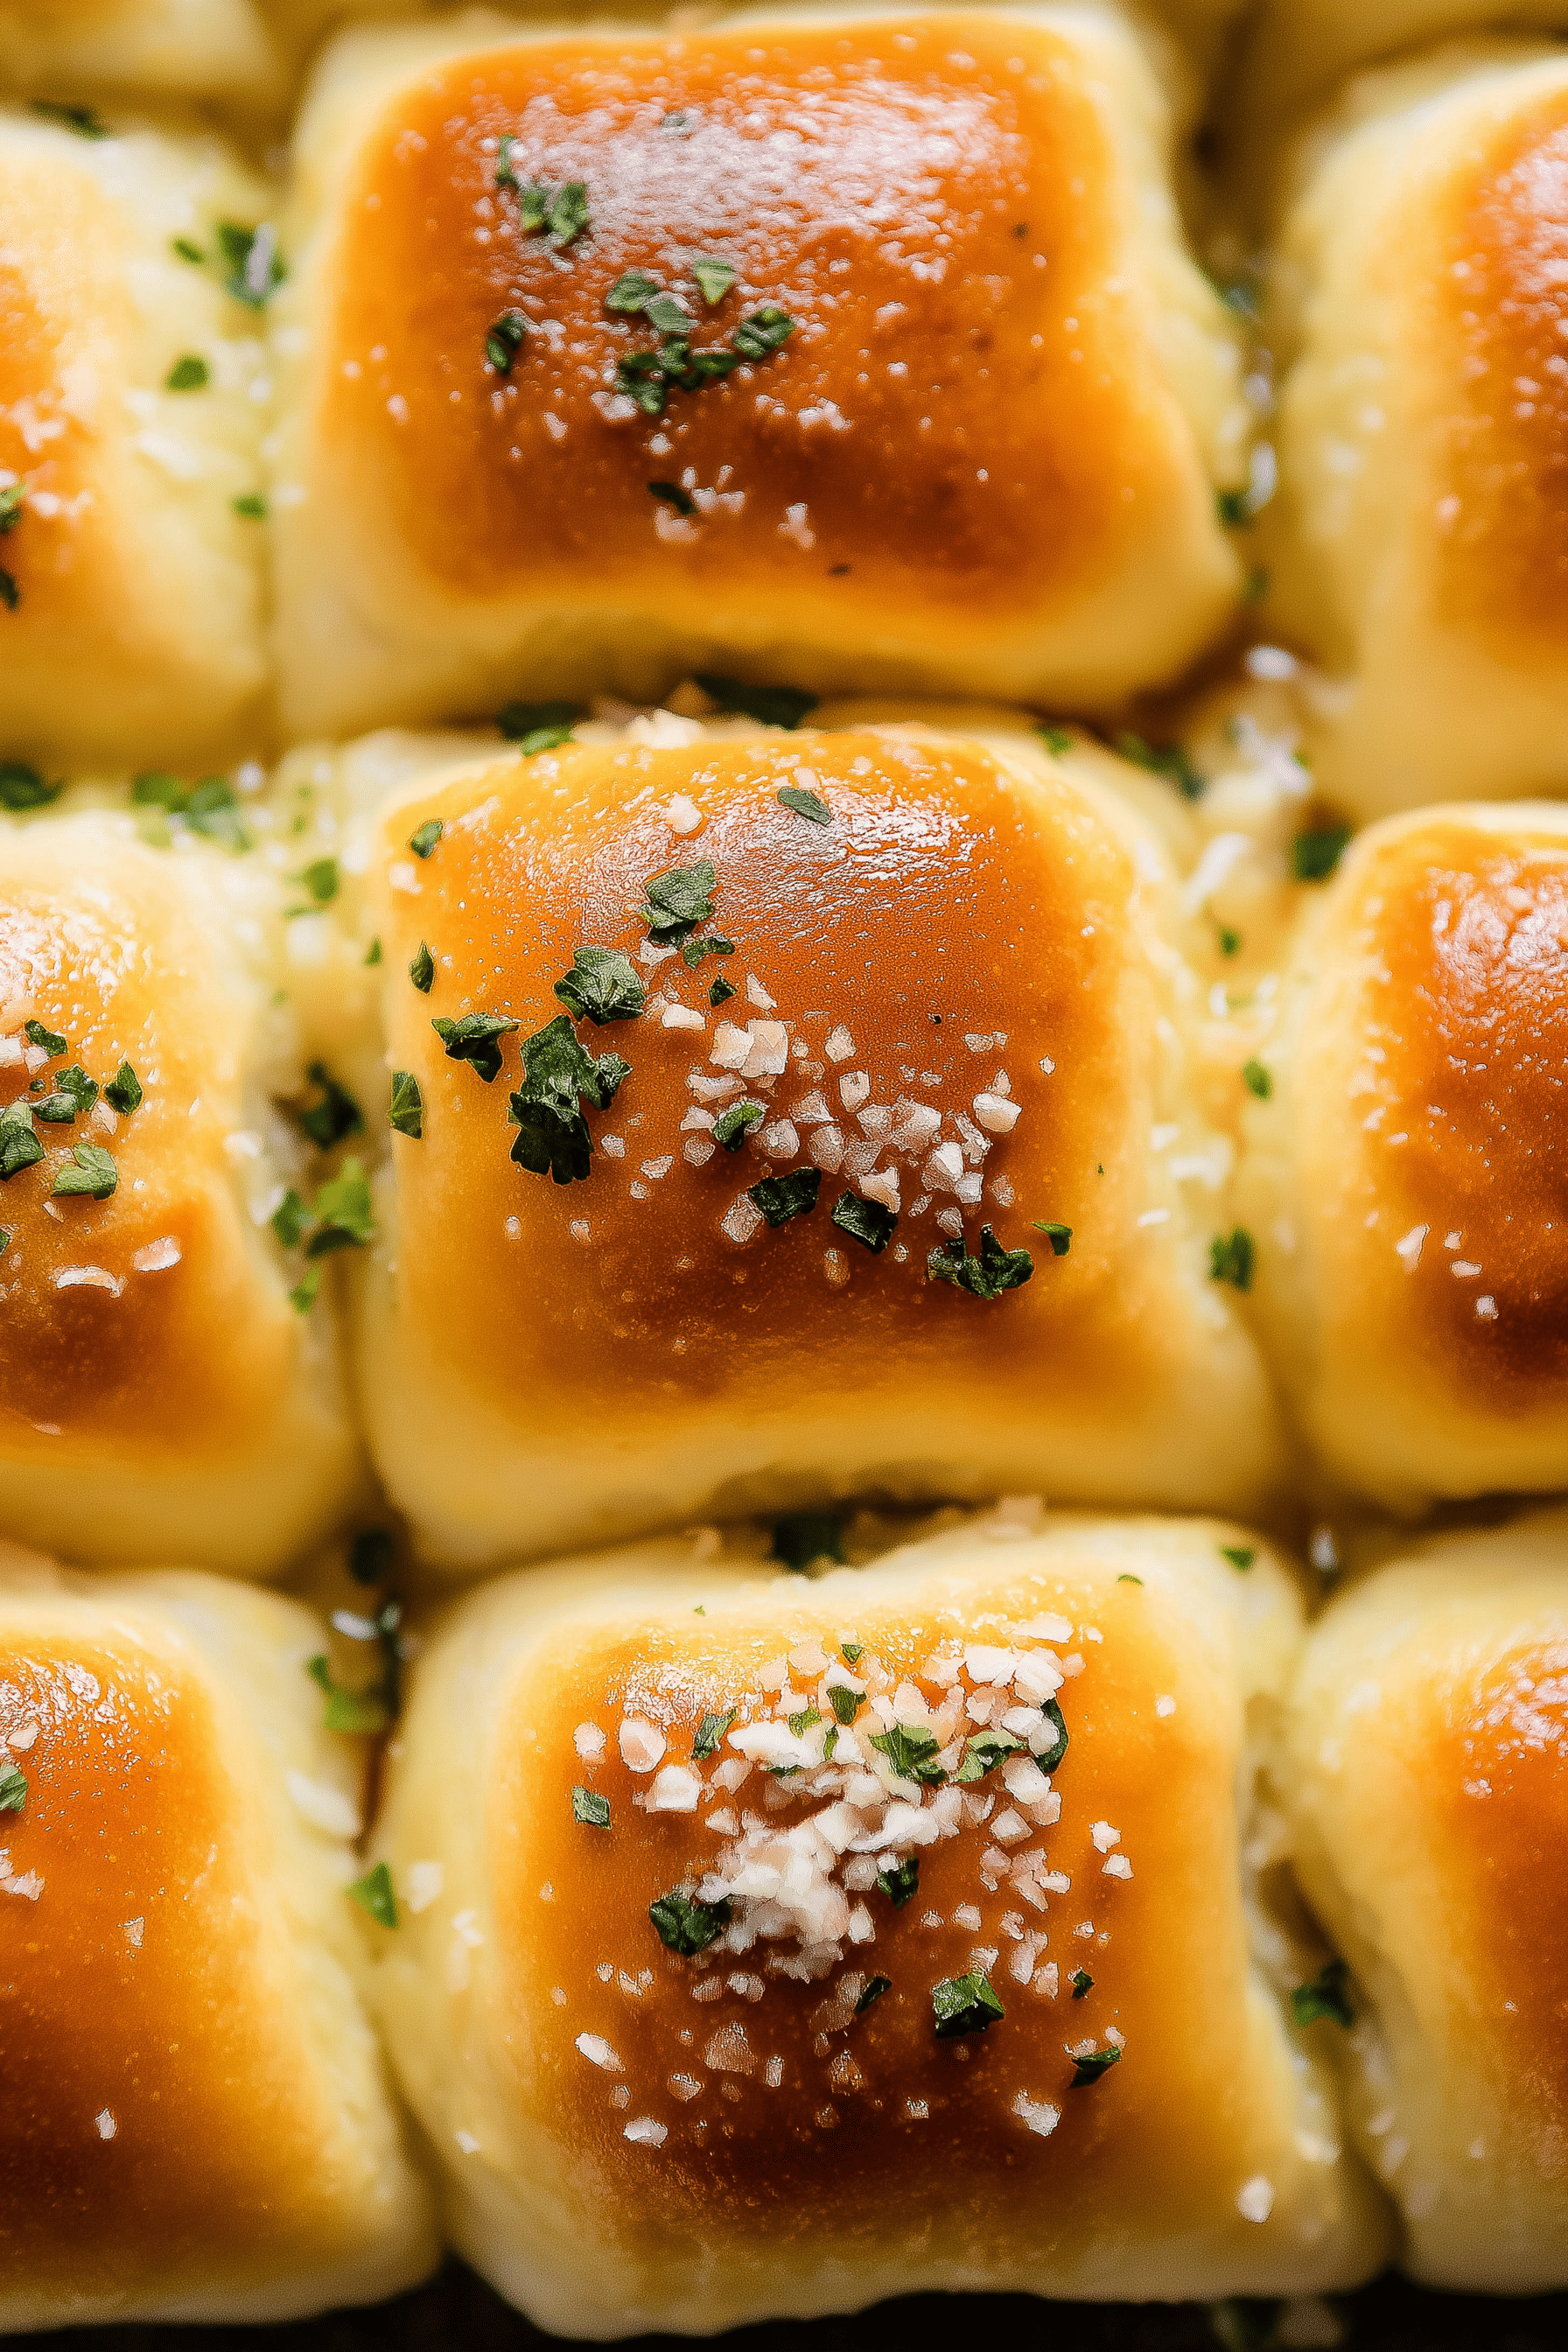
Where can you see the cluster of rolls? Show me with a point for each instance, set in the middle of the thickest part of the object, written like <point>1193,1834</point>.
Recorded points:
<point>783,989</point>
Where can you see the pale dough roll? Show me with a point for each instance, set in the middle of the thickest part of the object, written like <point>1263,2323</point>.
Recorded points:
<point>1429,1790</point>
<point>130,607</point>
<point>634,2137</point>
<point>954,1006</point>
<point>1401,1178</point>
<point>152,1365</point>
<point>983,460</point>
<point>197,2124</point>
<point>1417,542</point>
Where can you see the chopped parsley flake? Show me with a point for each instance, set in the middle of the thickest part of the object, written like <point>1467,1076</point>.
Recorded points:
<point>568,213</point>
<point>424,840</point>
<point>155,788</point>
<point>50,1040</point>
<point>805,804</point>
<point>255,264</point>
<point>11,499</point>
<point>846,1703</point>
<point>589,1808</point>
<point>407,1113</point>
<point>852,1652</point>
<point>343,1217</point>
<point>686,1925</point>
<point>808,1536</point>
<point>709,1732</point>
<point>348,1710</point>
<point>19,1147</point>
<point>290,1219</point>
<point>472,1038</point>
<point>189,374</point>
<point>1239,1555</point>
<point>1256,1079</point>
<point>1049,1757</point>
<point>830,1745</point>
<point>302,1297</point>
<point>337,1114</point>
<point>83,120</point>
<point>770,706</point>
<point>210,808</point>
<point>250,505</point>
<point>13,1789</point>
<point>94,1175</point>
<point>373,1894</point>
<point>672,494</point>
<point>186,249</point>
<point>874,1990</point>
<point>553,1135</point>
<point>1081,1982</point>
<point>901,1885</point>
<point>1058,739</point>
<point>74,1096</point>
<point>678,901</point>
<point>631,290</point>
<point>866,1222</point>
<point>804,1721</point>
<point>1089,2069</point>
<point>1230,940</point>
<point>963,2005</point>
<point>1127,1577</point>
<point>983,1751</point>
<point>694,950</point>
<point>10,594</point>
<point>1231,1259</point>
<point>1058,1236</point>
<point>780,1198</point>
<point>986,1277</point>
<point>320,879</point>
<point>714,278</point>
<point>505,339</point>
<point>1315,855</point>
<point>602,985</point>
<point>422,970</point>
<point>1171,761</point>
<point>912,1752</point>
<point>5,1241</point>
<point>1234,508</point>
<point>22,787</point>
<point>1324,1997</point>
<point>762,332</point>
<point>721,990</point>
<point>668,314</point>
<point>732,1126</point>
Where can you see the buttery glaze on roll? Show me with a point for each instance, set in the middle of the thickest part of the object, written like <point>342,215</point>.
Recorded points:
<point>977,402</point>
<point>1420,540</point>
<point>197,2125</point>
<point>129,585</point>
<point>889,1198</point>
<point>151,1366</point>
<point>1404,1178</point>
<point>767,1949</point>
<point>1428,1789</point>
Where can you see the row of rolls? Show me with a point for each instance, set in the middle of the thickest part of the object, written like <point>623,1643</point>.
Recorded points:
<point>847,352</point>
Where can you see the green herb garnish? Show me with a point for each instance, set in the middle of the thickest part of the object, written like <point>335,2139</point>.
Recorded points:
<point>852,1651</point>
<point>989,1275</point>
<point>1127,1577</point>
<point>250,505</point>
<point>472,1038</point>
<point>189,374</point>
<point>678,901</point>
<point>19,1147</point>
<point>901,1883</point>
<point>1048,1758</point>
<point>186,249</point>
<point>373,1894</point>
<point>963,2005</point>
<point>50,1040</point>
<point>762,332</point>
<point>1092,2065</point>
<point>290,1219</point>
<point>709,1732</point>
<point>337,1114</point>
<point>866,1222</point>
<point>805,804</point>
<point>74,1096</point>
<point>802,1723</point>
<point>770,706</point>
<point>22,787</point>
<point>631,290</point>
<point>874,1990</point>
<point>670,494</point>
<point>348,1710</point>
<point>589,1808</point>
<point>1230,940</point>
<point>1058,1236</point>
<point>13,1789</point>
<point>714,278</point>
<point>408,1112</point>
<point>1256,1079</point>
<point>983,1751</point>
<point>302,1297</point>
<point>1239,1555</point>
<point>846,1703</point>
<point>780,1198</point>
<point>553,1135</point>
<point>603,985</point>
<point>343,1217</point>
<point>1315,855</point>
<point>721,990</point>
<point>255,264</point>
<point>568,214</point>
<point>211,808</point>
<point>82,119</point>
<point>505,339</point>
<point>422,970</point>
<point>1081,1982</point>
<point>11,501</point>
<point>686,1925</point>
<point>912,1753</point>
<point>320,879</point>
<point>424,839</point>
<point>123,1091</point>
<point>1171,761</point>
<point>1234,508</point>
<point>1231,1259</point>
<point>1058,739</point>
<point>1324,1997</point>
<point>94,1177</point>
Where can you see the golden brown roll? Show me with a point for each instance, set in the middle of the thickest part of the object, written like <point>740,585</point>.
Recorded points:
<point>207,47</point>
<point>1402,1179</point>
<point>944,406</point>
<point>912,1187</point>
<point>161,1397</point>
<point>197,2125</point>
<point>132,404</point>
<point>1418,537</point>
<point>769,1948</point>
<point>1430,1796</point>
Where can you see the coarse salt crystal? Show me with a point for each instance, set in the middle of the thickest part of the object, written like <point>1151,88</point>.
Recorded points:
<point>1009,1827</point>
<point>1104,1836</point>
<point>107,2126</point>
<point>1039,2114</point>
<point>811,1112</point>
<point>1164,1705</point>
<point>650,953</point>
<point>854,1089</point>
<point>1254,2198</point>
<point>698,1150</point>
<point>944,1169</point>
<point>588,1740</point>
<point>780,1140</point>
<point>826,1147</point>
<point>836,1266</point>
<point>324,1807</point>
<point>967,1915</point>
<point>423,1884</point>
<point>646,2132</point>
<point>96,1277</point>
<point>758,995</point>
<point>731,1046</point>
<point>839,1044</point>
<point>598,2053</point>
<point>682,815</point>
<point>883,1188</point>
<point>1118,1867</point>
<point>675,1791</point>
<point>642,1743</point>
<point>768,1053</point>
<point>657,1168</point>
<point>741,1218</point>
<point>467,2144</point>
<point>157,1256</point>
<point>997,1113</point>
<point>133,1931</point>
<point>681,1017</point>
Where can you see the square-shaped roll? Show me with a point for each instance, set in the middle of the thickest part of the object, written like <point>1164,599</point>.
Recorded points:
<point>1419,546</point>
<point>855,349</point>
<point>154,1367</point>
<point>132,384</point>
<point>197,2124</point>
<point>1427,1783</point>
<point>785,1118</point>
<point>766,1949</point>
<point>1402,1177</point>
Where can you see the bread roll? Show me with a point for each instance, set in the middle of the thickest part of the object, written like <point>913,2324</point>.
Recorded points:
<point>195,2124</point>
<point>1418,537</point>
<point>776,2126</point>
<point>981,458</point>
<point>953,1005</point>
<point>161,1397</point>
<point>206,48</point>
<point>130,421</point>
<point>1429,1795</point>
<point>1401,1177</point>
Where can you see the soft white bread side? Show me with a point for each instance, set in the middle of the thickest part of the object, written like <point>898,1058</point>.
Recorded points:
<point>764,2107</point>
<point>1401,1177</point>
<point>130,423</point>
<point>152,1365</point>
<point>1427,1785</point>
<point>1417,543</point>
<point>982,459</point>
<point>195,2097</point>
<point>947,1010</point>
